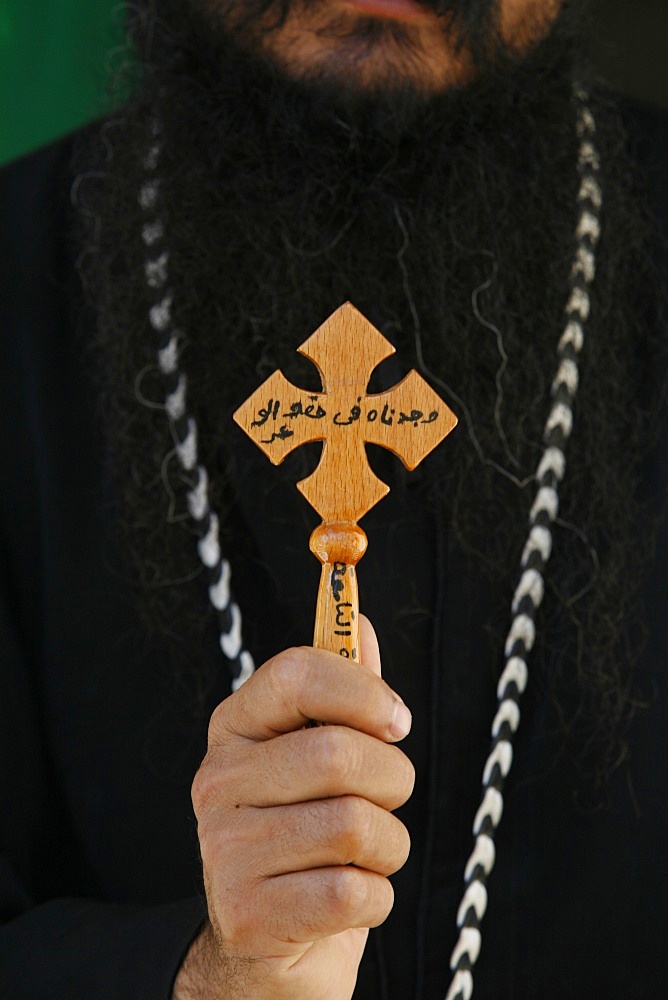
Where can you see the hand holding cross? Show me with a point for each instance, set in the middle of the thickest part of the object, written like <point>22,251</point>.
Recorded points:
<point>409,420</point>
<point>296,870</point>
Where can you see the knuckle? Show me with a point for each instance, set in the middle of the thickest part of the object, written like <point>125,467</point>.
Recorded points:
<point>351,826</point>
<point>204,786</point>
<point>216,776</point>
<point>335,756</point>
<point>288,672</point>
<point>347,894</point>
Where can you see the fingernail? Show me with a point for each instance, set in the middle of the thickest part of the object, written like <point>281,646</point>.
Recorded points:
<point>401,724</point>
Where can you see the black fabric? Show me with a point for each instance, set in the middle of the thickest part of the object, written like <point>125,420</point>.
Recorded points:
<point>103,727</point>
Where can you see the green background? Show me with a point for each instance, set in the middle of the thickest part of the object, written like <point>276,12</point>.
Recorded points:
<point>56,55</point>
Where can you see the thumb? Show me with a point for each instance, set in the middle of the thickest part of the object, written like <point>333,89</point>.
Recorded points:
<point>369,651</point>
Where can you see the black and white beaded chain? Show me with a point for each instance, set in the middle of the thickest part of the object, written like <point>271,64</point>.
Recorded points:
<point>183,426</point>
<point>537,550</point>
<point>535,556</point>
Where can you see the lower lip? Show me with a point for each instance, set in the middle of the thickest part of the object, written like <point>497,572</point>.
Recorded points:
<point>399,10</point>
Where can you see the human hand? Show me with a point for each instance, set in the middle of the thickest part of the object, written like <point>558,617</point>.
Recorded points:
<point>296,830</point>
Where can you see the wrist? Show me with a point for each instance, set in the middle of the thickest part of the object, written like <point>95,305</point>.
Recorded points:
<point>199,977</point>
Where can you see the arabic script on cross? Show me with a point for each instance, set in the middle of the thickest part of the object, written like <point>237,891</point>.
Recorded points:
<point>409,420</point>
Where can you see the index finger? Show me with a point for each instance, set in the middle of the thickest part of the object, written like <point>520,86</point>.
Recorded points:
<point>305,683</point>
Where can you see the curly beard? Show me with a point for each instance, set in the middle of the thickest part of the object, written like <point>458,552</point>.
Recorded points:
<point>448,220</point>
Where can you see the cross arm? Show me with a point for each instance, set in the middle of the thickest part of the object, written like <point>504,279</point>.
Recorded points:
<point>409,419</point>
<point>279,417</point>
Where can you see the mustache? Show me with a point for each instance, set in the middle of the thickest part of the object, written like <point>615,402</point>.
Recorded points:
<point>469,19</point>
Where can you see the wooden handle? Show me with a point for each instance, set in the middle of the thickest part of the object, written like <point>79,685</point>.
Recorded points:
<point>339,547</point>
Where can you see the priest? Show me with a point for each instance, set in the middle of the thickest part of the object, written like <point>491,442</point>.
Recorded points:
<point>172,826</point>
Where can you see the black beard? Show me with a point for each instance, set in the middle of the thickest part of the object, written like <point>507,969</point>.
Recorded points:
<point>449,222</point>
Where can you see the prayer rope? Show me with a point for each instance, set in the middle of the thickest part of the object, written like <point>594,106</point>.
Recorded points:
<point>183,427</point>
<point>530,589</point>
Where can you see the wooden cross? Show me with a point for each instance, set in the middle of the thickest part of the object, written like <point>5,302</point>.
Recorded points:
<point>409,419</point>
